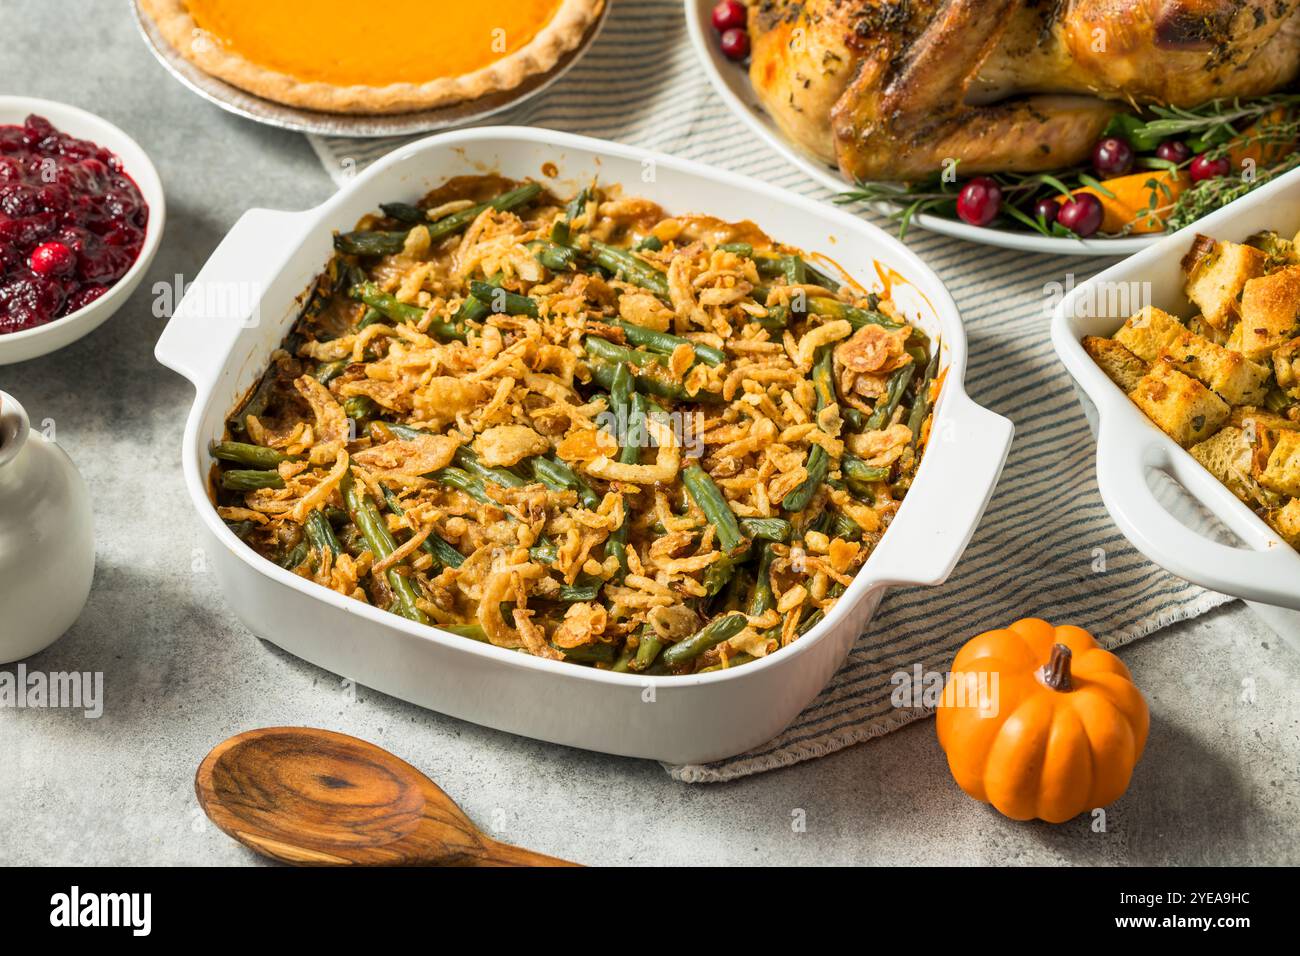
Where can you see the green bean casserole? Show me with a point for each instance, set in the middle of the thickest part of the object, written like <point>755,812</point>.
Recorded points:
<point>584,430</point>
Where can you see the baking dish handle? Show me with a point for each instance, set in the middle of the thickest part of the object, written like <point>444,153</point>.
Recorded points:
<point>963,461</point>
<point>224,298</point>
<point>1269,574</point>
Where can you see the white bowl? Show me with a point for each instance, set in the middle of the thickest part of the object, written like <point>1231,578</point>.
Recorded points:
<point>32,343</point>
<point>274,255</point>
<point>731,80</point>
<point>1130,446</point>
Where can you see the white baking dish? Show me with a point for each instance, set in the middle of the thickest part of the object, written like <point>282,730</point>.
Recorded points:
<point>678,719</point>
<point>1130,447</point>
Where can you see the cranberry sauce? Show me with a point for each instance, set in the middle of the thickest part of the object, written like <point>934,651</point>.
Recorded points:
<point>71,223</point>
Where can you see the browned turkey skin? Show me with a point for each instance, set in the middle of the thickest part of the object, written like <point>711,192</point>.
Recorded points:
<point>890,89</point>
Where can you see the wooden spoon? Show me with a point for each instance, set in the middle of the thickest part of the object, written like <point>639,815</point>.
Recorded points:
<point>317,798</point>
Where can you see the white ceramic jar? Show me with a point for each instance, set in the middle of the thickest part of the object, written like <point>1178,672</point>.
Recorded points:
<point>47,540</point>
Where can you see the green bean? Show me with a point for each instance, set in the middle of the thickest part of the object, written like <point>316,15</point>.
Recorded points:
<point>321,534</point>
<point>738,248</point>
<point>545,553</point>
<point>816,617</point>
<point>610,352</point>
<point>364,243</point>
<point>650,243</point>
<point>463,481</point>
<point>631,408</point>
<point>921,408</point>
<point>242,529</point>
<point>558,476</point>
<point>734,661</point>
<point>624,661</point>
<point>373,528</point>
<point>295,557</point>
<point>625,265</point>
<point>240,479</point>
<point>853,418</point>
<point>763,598</point>
<point>466,459</point>
<point>359,407</point>
<point>818,462</point>
<point>766,529</point>
<point>602,371</point>
<point>711,635</point>
<point>823,379</point>
<point>647,649</point>
<point>584,589</point>
<point>555,256</point>
<point>842,526</point>
<point>858,471</point>
<point>894,390</point>
<point>562,230</point>
<point>329,371</point>
<point>835,309</point>
<point>437,547</point>
<point>404,212</point>
<point>254,456</point>
<point>776,320</point>
<point>666,343</point>
<point>396,311</point>
<point>500,301</point>
<point>589,653</point>
<point>474,632</point>
<point>708,496</point>
<point>471,310</point>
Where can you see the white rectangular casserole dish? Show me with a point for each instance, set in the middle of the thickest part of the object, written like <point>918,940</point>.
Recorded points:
<point>1130,447</point>
<point>242,304</point>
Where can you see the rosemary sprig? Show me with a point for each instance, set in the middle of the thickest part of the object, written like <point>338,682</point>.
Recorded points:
<point>1213,120</point>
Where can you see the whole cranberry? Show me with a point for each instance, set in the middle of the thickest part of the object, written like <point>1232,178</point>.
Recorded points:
<point>1082,215</point>
<point>1205,168</point>
<point>735,44</point>
<point>728,15</point>
<point>1112,156</point>
<point>1175,151</point>
<point>1047,210</point>
<point>979,201</point>
<point>52,259</point>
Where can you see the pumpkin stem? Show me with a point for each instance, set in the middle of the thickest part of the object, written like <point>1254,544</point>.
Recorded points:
<point>1056,672</point>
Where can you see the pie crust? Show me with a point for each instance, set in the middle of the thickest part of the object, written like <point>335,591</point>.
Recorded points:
<point>560,35</point>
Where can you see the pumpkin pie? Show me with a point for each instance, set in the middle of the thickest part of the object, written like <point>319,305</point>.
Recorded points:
<point>342,56</point>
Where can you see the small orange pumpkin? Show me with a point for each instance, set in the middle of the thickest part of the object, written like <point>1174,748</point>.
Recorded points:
<point>1061,728</point>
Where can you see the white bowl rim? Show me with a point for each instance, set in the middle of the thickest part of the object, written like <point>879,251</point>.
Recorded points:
<point>143,174</point>
<point>1002,238</point>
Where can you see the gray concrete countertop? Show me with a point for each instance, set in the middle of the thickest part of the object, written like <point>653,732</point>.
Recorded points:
<point>1220,782</point>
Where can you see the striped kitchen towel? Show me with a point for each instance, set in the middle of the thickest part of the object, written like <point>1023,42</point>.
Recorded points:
<point>1046,546</point>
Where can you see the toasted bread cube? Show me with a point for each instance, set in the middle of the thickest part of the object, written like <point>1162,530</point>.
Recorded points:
<point>1258,420</point>
<point>1282,473</point>
<point>1286,366</point>
<point>1182,407</point>
<point>1147,332</point>
<point>1227,455</point>
<point>1216,274</point>
<point>1286,522</point>
<point>1238,380</point>
<point>1198,325</point>
<point>1122,367</point>
<point>1270,312</point>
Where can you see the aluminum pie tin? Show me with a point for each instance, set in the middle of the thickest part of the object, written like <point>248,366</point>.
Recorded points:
<point>237,101</point>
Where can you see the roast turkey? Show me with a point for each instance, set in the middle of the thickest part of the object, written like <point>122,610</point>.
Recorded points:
<point>890,89</point>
